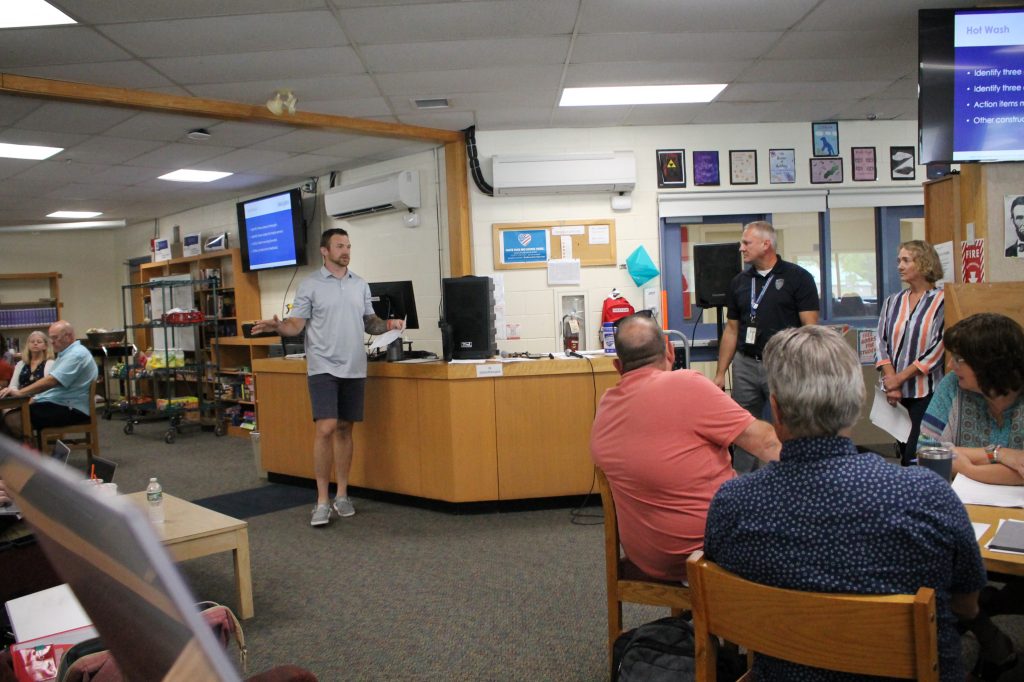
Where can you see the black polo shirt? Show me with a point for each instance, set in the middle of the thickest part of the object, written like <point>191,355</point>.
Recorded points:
<point>791,290</point>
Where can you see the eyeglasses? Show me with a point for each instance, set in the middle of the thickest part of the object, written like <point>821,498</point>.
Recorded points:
<point>640,313</point>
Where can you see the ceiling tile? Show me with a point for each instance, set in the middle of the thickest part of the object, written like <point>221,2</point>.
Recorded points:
<point>645,73</point>
<point>110,150</point>
<point>860,68</point>
<point>115,11</point>
<point>46,138</point>
<point>241,160</point>
<point>12,108</point>
<point>869,15</point>
<point>250,66</point>
<point>173,156</point>
<point>305,164</point>
<point>440,118</point>
<point>223,35</point>
<point>611,16</point>
<point>55,45</point>
<point>52,173</point>
<point>72,195</point>
<point>781,92</point>
<point>358,108</point>
<point>460,20</point>
<point>662,114</point>
<point>448,83</point>
<point>465,54</point>
<point>301,141</point>
<point>244,133</point>
<point>673,47</point>
<point>844,44</point>
<point>71,116</point>
<point>510,118</point>
<point>153,126</point>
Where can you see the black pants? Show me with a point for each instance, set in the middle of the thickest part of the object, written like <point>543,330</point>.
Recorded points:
<point>916,407</point>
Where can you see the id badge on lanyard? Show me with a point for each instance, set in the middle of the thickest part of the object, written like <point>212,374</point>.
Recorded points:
<point>755,303</point>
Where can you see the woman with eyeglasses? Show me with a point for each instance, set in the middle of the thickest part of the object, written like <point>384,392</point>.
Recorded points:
<point>979,406</point>
<point>908,343</point>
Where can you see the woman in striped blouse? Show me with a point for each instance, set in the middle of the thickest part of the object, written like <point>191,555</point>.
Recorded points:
<point>908,347</point>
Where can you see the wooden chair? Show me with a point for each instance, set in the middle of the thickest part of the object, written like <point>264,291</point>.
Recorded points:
<point>86,436</point>
<point>626,582</point>
<point>889,635</point>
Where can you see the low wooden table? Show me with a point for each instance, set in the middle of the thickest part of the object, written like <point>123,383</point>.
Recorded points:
<point>997,562</point>
<point>11,402</point>
<point>190,531</point>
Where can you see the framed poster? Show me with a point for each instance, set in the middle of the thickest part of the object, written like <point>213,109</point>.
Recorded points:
<point>743,166</point>
<point>825,137</point>
<point>705,169</point>
<point>525,246</point>
<point>901,163</point>
<point>864,166</point>
<point>826,171</point>
<point>781,166</point>
<point>671,168</point>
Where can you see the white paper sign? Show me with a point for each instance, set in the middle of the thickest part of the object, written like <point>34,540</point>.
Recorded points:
<point>563,230</point>
<point>599,234</point>
<point>489,370</point>
<point>566,246</point>
<point>945,252</point>
<point>564,271</point>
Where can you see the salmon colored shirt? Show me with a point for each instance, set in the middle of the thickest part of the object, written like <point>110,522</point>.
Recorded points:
<point>662,440</point>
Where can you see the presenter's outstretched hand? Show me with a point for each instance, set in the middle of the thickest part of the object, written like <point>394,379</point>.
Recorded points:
<point>396,324</point>
<point>271,325</point>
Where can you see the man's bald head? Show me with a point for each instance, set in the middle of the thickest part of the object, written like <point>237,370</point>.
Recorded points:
<point>62,335</point>
<point>639,342</point>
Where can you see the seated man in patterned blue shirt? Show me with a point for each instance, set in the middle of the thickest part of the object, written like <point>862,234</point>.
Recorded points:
<point>826,518</point>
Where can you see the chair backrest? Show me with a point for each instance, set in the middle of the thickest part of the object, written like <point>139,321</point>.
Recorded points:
<point>611,528</point>
<point>92,402</point>
<point>887,635</point>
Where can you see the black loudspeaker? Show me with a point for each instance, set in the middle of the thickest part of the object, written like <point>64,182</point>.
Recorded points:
<point>469,313</point>
<point>714,266</point>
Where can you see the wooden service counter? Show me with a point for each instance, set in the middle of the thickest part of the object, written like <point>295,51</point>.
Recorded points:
<point>439,431</point>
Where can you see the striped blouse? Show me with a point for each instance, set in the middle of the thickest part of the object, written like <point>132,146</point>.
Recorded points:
<point>908,336</point>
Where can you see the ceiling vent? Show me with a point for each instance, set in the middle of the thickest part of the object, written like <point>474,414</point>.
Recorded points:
<point>437,103</point>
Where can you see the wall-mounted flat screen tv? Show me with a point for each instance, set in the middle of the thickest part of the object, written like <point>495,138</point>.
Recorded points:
<point>971,85</point>
<point>272,232</point>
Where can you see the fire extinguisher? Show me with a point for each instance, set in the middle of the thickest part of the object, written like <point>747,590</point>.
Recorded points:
<point>571,331</point>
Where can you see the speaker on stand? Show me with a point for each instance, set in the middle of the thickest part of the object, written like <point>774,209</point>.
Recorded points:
<point>714,267</point>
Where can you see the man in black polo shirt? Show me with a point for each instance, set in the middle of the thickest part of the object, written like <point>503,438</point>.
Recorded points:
<point>767,297</point>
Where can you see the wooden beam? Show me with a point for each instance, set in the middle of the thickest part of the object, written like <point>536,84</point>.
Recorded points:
<point>460,224</point>
<point>199,106</point>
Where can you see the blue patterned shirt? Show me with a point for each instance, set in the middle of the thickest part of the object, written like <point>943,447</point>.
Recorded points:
<point>826,518</point>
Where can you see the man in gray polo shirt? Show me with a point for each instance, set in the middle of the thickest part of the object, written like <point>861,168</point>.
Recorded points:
<point>333,306</point>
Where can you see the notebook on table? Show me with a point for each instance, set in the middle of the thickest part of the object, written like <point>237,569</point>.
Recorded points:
<point>1009,537</point>
<point>105,549</point>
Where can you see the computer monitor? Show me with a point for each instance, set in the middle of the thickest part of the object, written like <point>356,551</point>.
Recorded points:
<point>105,549</point>
<point>394,301</point>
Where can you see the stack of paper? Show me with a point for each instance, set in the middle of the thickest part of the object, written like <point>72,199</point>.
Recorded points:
<point>973,492</point>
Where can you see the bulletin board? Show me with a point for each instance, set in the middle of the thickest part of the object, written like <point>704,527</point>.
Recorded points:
<point>530,245</point>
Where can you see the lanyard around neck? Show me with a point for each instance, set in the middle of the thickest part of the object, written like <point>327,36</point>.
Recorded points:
<point>755,302</point>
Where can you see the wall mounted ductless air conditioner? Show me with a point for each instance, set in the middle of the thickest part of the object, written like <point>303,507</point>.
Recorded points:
<point>398,191</point>
<point>564,173</point>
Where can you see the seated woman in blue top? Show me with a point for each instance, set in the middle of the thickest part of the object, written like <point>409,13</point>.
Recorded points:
<point>979,406</point>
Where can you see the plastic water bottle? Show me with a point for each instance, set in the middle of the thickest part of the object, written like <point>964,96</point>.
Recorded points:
<point>608,337</point>
<point>155,497</point>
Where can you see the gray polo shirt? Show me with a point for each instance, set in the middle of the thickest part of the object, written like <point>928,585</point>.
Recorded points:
<point>333,309</point>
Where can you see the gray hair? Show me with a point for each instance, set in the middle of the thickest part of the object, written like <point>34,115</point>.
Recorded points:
<point>816,380</point>
<point>765,229</point>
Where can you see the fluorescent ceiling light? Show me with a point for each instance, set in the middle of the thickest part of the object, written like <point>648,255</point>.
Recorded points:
<point>639,94</point>
<point>186,175</point>
<point>20,13</point>
<point>81,215</point>
<point>27,151</point>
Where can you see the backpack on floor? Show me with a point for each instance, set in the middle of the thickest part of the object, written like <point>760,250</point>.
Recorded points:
<point>663,650</point>
<point>656,651</point>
